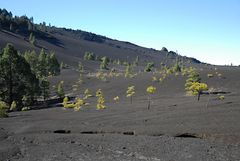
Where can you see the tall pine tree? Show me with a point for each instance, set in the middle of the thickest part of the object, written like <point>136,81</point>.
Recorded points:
<point>16,77</point>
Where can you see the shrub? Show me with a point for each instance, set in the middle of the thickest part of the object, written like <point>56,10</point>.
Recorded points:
<point>116,99</point>
<point>3,113</point>
<point>3,105</point>
<point>102,76</point>
<point>101,100</point>
<point>104,62</point>
<point>177,67</point>
<point>3,109</point>
<point>63,66</point>
<point>13,106</point>
<point>154,79</point>
<point>65,102</point>
<point>149,67</point>
<point>78,105</point>
<point>128,71</point>
<point>87,94</point>
<point>130,92</point>
<point>32,39</point>
<point>221,98</point>
<point>89,56</point>
<point>210,75</point>
<point>26,108</point>
<point>80,67</point>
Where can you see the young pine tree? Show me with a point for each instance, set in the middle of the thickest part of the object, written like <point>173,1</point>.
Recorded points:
<point>44,88</point>
<point>104,62</point>
<point>60,90</point>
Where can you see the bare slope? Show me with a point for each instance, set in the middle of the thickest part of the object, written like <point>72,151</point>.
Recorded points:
<point>177,127</point>
<point>70,47</point>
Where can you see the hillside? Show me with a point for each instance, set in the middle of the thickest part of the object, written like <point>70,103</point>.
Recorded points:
<point>179,109</point>
<point>70,45</point>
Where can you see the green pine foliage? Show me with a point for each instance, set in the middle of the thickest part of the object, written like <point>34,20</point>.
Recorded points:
<point>43,65</point>
<point>32,59</point>
<point>89,56</point>
<point>16,77</point>
<point>32,39</point>
<point>104,63</point>
<point>44,85</point>
<point>54,66</point>
<point>60,90</point>
<point>3,109</point>
<point>23,78</point>
<point>128,71</point>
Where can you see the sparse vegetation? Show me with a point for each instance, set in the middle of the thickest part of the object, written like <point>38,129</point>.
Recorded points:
<point>32,39</point>
<point>87,94</point>
<point>135,63</point>
<point>221,97</point>
<point>13,106</point>
<point>89,56</point>
<point>80,67</point>
<point>140,98</point>
<point>104,63</point>
<point>79,103</point>
<point>26,108</point>
<point>65,102</point>
<point>193,76</point>
<point>100,100</point>
<point>128,71</point>
<point>210,75</point>
<point>130,92</point>
<point>3,109</point>
<point>149,67</point>
<point>116,99</point>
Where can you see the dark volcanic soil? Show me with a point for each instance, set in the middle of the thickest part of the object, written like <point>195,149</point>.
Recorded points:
<point>176,128</point>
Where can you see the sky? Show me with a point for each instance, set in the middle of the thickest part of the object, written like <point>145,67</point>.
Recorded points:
<point>208,30</point>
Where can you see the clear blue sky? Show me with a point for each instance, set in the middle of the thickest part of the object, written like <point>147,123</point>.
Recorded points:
<point>208,30</point>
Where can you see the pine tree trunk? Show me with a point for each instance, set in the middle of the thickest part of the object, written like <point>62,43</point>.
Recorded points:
<point>10,86</point>
<point>149,102</point>
<point>199,96</point>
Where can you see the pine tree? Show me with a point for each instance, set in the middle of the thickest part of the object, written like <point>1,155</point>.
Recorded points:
<point>80,67</point>
<point>32,39</point>
<point>54,66</point>
<point>16,77</point>
<point>44,88</point>
<point>42,64</point>
<point>149,67</point>
<point>32,59</point>
<point>60,90</point>
<point>104,62</point>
